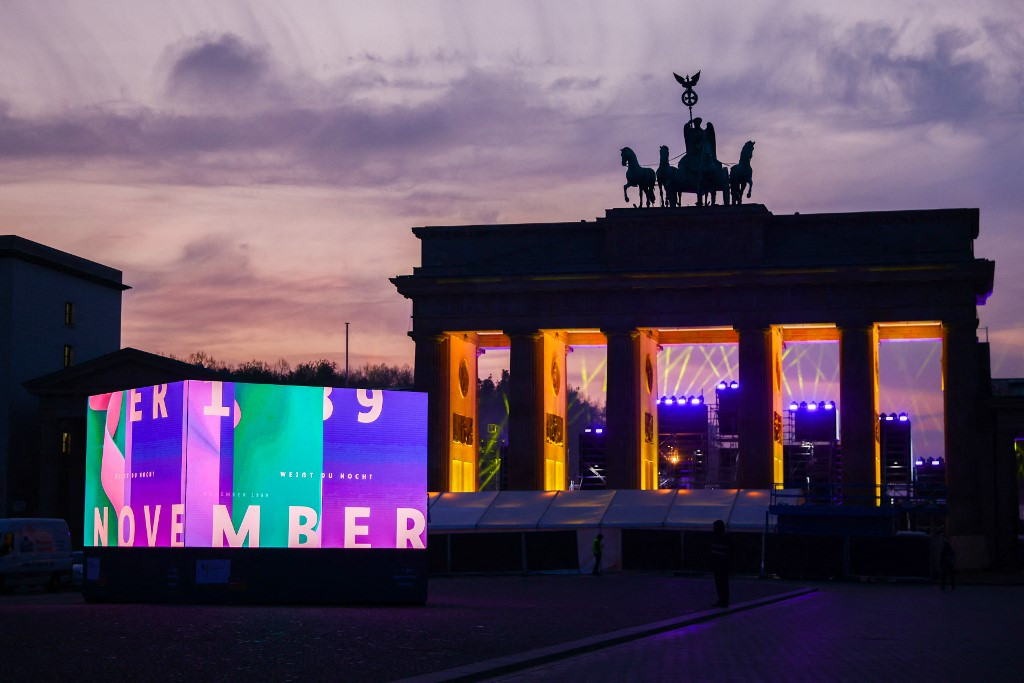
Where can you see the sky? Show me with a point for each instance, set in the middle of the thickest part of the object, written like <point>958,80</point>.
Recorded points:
<point>254,168</point>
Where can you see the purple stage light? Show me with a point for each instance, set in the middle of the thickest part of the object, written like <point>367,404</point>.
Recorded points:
<point>671,400</point>
<point>734,384</point>
<point>890,418</point>
<point>919,462</point>
<point>903,417</point>
<point>831,405</point>
<point>722,385</point>
<point>794,406</point>
<point>599,430</point>
<point>812,406</point>
<point>696,400</point>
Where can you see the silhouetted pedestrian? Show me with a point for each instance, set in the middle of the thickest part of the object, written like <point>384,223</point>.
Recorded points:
<point>947,565</point>
<point>720,552</point>
<point>598,551</point>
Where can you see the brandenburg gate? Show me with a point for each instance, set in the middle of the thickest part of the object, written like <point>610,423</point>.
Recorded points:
<point>639,278</point>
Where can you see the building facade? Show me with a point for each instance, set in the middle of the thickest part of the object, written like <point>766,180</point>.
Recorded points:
<point>56,310</point>
<point>639,278</point>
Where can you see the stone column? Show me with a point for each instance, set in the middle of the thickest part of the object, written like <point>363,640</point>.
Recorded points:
<point>446,368</point>
<point>858,412</point>
<point>428,378</point>
<point>552,402</point>
<point>463,442</point>
<point>959,396</point>
<point>631,409</point>
<point>760,409</point>
<point>525,460</point>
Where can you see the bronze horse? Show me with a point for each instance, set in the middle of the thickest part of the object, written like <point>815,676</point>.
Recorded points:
<point>741,176</point>
<point>668,179</point>
<point>637,176</point>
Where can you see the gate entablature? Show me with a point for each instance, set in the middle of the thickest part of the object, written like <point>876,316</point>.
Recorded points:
<point>700,239</point>
<point>670,268</point>
<point>906,331</point>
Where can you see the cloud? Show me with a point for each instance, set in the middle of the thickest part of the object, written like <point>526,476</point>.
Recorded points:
<point>326,138</point>
<point>866,72</point>
<point>575,83</point>
<point>870,73</point>
<point>218,69</point>
<point>233,118</point>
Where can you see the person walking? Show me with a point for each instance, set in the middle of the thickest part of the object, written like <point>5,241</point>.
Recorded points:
<point>598,551</point>
<point>720,562</point>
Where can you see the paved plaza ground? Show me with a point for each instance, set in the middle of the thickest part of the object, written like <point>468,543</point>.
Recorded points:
<point>839,632</point>
<point>522,627</point>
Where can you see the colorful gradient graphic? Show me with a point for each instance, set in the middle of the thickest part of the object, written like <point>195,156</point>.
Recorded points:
<point>219,464</point>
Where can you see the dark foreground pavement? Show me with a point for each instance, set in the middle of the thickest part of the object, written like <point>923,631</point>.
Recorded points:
<point>837,632</point>
<point>467,619</point>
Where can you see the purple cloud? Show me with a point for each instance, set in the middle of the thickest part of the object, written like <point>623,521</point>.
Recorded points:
<point>217,69</point>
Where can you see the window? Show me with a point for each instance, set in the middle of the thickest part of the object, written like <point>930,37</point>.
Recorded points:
<point>65,443</point>
<point>69,355</point>
<point>69,313</point>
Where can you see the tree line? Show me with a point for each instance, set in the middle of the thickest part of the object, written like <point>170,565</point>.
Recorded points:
<point>317,373</point>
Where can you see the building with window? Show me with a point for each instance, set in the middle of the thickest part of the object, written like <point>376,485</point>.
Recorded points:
<point>56,310</point>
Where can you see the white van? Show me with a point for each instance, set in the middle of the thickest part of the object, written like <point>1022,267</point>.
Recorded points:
<point>34,551</point>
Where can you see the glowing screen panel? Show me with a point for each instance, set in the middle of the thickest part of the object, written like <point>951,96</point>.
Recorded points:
<point>220,464</point>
